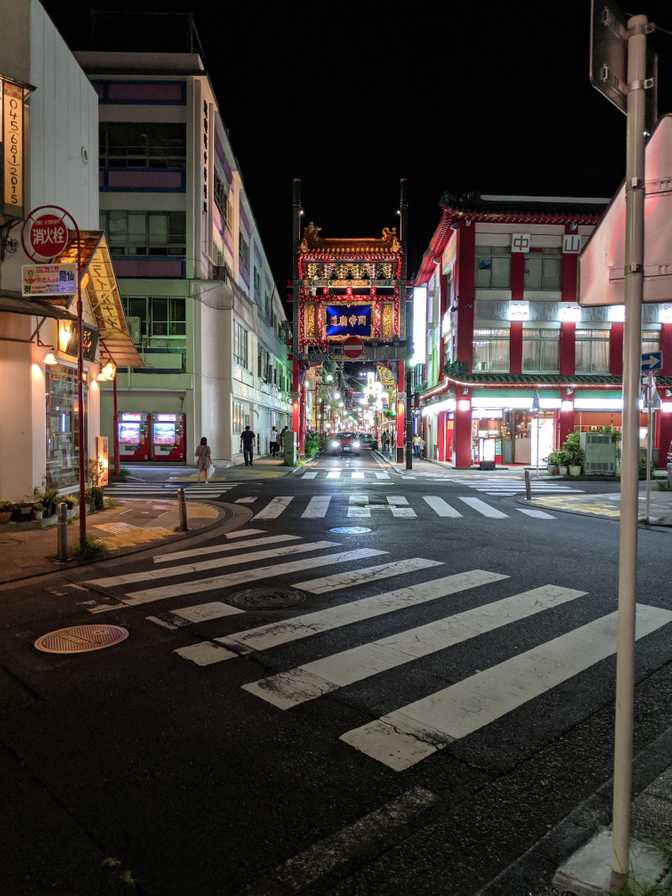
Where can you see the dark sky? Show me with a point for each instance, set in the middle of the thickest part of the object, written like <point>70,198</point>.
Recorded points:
<point>351,96</point>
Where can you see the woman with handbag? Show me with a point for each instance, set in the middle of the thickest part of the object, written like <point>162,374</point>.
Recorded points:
<point>203,460</point>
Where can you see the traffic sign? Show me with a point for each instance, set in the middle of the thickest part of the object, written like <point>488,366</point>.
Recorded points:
<point>652,361</point>
<point>353,348</point>
<point>44,237</point>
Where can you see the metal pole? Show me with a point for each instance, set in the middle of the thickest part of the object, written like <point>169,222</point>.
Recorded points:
<point>649,445</point>
<point>296,366</point>
<point>115,426</point>
<point>80,396</point>
<point>528,485</point>
<point>627,549</point>
<point>62,532</point>
<point>404,294</point>
<point>538,423</point>
<point>182,510</point>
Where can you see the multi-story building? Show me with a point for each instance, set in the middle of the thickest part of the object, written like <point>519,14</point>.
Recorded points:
<point>496,296</point>
<point>196,285</point>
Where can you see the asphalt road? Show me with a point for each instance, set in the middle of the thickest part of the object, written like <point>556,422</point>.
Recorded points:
<point>424,701</point>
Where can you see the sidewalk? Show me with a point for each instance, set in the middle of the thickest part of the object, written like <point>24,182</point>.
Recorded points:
<point>123,528</point>
<point>441,468</point>
<point>608,505</point>
<point>262,468</point>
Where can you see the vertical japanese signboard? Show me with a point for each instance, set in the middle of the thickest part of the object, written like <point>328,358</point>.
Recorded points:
<point>12,149</point>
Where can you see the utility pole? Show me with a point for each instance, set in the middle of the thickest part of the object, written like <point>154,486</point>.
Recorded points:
<point>404,295</point>
<point>297,396</point>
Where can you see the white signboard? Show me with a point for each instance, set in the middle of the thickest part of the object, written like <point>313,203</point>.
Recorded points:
<point>48,280</point>
<point>571,243</point>
<point>520,242</point>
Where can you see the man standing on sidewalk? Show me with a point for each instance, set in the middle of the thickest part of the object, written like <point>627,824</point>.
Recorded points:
<point>247,438</point>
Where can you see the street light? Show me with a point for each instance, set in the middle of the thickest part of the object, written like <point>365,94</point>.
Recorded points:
<point>337,395</point>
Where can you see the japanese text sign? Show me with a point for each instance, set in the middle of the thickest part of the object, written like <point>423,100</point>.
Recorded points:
<point>348,320</point>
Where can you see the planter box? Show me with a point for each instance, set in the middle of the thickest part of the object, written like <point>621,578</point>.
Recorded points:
<point>562,470</point>
<point>5,516</point>
<point>574,470</point>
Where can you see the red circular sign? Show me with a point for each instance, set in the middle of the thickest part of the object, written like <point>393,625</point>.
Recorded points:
<point>48,236</point>
<point>353,348</point>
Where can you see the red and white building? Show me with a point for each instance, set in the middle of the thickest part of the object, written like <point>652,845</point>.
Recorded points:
<point>497,321</point>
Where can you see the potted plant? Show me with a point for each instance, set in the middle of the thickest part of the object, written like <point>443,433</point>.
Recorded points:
<point>575,456</point>
<point>23,511</point>
<point>38,510</point>
<point>552,463</point>
<point>71,503</point>
<point>563,462</point>
<point>6,508</point>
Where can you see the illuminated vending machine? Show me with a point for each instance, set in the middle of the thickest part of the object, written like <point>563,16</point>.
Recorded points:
<point>168,437</point>
<point>133,436</point>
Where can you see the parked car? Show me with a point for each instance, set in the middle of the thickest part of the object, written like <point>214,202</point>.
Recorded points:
<point>345,443</point>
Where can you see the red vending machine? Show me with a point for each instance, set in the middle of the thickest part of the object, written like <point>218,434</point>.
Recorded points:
<point>133,436</point>
<point>168,437</point>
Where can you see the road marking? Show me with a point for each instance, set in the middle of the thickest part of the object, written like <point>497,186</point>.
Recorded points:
<point>408,735</point>
<point>369,574</point>
<point>162,623</point>
<point>274,508</point>
<point>360,513</point>
<point>358,475</point>
<point>243,533</point>
<point>334,474</point>
<point>397,501</point>
<point>440,507</point>
<point>382,475</point>
<point>404,513</point>
<point>537,514</point>
<point>311,474</point>
<point>407,477</point>
<point>484,509</point>
<point>320,859</point>
<point>275,634</point>
<point>188,568</point>
<point>205,612</point>
<point>359,499</point>
<point>317,507</point>
<point>323,676</point>
<point>220,548</point>
<point>197,586</point>
<point>205,653</point>
<point>246,500</point>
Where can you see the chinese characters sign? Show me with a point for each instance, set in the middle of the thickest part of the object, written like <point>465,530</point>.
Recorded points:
<point>12,148</point>
<point>67,340</point>
<point>48,236</point>
<point>49,280</point>
<point>348,320</point>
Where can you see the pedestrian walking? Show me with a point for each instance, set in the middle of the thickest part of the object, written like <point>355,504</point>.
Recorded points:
<point>274,442</point>
<point>203,460</point>
<point>416,446</point>
<point>247,438</point>
<point>385,442</point>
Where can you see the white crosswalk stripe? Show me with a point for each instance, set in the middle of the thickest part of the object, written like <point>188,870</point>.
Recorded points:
<point>317,507</point>
<point>358,475</point>
<point>309,474</point>
<point>249,500</point>
<point>484,509</point>
<point>274,508</point>
<point>537,514</point>
<point>334,474</point>
<point>363,576</point>
<point>165,491</point>
<point>441,507</point>
<point>226,547</point>
<point>358,513</point>
<point>382,475</point>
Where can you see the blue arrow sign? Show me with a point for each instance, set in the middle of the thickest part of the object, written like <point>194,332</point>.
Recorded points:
<point>651,361</point>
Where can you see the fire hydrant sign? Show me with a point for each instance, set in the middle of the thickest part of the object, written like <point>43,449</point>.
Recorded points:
<point>48,280</point>
<point>48,236</point>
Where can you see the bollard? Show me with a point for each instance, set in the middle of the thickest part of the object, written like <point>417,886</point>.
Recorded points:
<point>62,532</point>
<point>528,486</point>
<point>182,508</point>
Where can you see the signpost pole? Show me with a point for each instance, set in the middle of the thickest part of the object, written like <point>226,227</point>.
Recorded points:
<point>627,554</point>
<point>115,424</point>
<point>80,395</point>
<point>651,385</point>
<point>404,297</point>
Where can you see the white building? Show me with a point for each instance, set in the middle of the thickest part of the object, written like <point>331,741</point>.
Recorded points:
<point>197,288</point>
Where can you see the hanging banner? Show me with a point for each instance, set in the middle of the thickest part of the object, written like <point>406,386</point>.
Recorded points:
<point>12,149</point>
<point>348,320</point>
<point>48,280</point>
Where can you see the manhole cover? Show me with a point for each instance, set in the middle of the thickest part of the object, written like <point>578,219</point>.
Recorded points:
<point>266,598</point>
<point>81,639</point>
<point>350,530</point>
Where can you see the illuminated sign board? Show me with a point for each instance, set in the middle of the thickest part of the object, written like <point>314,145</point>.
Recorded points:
<point>12,148</point>
<point>419,325</point>
<point>67,340</point>
<point>348,320</point>
<point>48,279</point>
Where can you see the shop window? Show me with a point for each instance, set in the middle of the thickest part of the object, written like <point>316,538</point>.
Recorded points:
<point>145,233</point>
<point>493,267</point>
<point>540,351</point>
<point>240,347</point>
<point>62,426</point>
<point>491,350</point>
<point>138,145</point>
<point>542,269</point>
<point>650,341</point>
<point>592,351</point>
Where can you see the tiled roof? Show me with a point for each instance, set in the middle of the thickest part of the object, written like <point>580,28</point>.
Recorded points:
<point>546,379</point>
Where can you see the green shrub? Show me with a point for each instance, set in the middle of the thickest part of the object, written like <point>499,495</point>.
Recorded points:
<point>90,549</point>
<point>95,497</point>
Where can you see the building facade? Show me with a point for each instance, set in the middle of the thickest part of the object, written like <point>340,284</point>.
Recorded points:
<point>197,289</point>
<point>498,323</point>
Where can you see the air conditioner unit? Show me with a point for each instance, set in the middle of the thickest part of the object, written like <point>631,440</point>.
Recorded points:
<point>220,272</point>
<point>601,453</point>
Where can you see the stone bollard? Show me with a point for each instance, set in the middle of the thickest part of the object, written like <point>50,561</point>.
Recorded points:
<point>528,486</point>
<point>182,508</point>
<point>62,532</point>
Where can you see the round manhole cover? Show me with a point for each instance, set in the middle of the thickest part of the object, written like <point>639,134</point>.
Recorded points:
<point>350,530</point>
<point>81,639</point>
<point>266,598</point>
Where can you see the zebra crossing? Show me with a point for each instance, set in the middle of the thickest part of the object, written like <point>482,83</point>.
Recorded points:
<point>507,488</point>
<point>364,506</point>
<point>345,475</point>
<point>167,490</point>
<point>408,731</point>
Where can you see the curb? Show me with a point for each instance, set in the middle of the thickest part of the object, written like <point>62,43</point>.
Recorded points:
<point>535,867</point>
<point>228,509</point>
<point>642,524</point>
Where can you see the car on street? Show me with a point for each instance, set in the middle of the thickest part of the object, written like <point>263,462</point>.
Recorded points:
<point>345,443</point>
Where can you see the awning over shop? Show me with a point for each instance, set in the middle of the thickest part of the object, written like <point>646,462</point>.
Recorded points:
<point>15,304</point>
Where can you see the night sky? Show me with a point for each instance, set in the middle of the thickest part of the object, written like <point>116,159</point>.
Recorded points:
<point>350,97</point>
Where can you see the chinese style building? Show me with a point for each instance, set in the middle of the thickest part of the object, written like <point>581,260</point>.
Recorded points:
<point>499,285</point>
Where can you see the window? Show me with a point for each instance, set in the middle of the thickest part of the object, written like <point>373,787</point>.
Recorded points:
<point>540,350</point>
<point>491,350</point>
<point>244,252</point>
<point>267,304</point>
<point>240,416</point>
<point>157,316</point>
<point>222,197</point>
<point>136,145</point>
<point>257,284</point>
<point>240,355</point>
<point>592,351</point>
<point>650,340</point>
<point>542,269</point>
<point>493,267</point>
<point>145,233</point>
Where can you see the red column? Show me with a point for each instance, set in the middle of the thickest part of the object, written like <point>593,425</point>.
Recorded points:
<point>441,435</point>
<point>466,293</point>
<point>566,423</point>
<point>666,348</point>
<point>115,425</point>
<point>567,349</point>
<point>616,349</point>
<point>462,434</point>
<point>296,398</point>
<point>443,307</point>
<point>401,407</point>
<point>517,293</point>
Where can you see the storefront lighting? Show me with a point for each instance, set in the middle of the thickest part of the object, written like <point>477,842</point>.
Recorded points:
<point>419,325</point>
<point>569,312</point>
<point>50,359</point>
<point>665,314</point>
<point>598,404</point>
<point>64,334</point>
<point>616,314</point>
<point>666,407</point>
<point>464,405</point>
<point>519,310</point>
<point>438,407</point>
<point>567,407</point>
<point>108,373</point>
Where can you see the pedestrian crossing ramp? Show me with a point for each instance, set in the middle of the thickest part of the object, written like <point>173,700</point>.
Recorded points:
<point>573,636</point>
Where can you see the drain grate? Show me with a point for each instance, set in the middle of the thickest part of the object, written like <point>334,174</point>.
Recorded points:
<point>81,639</point>
<point>266,598</point>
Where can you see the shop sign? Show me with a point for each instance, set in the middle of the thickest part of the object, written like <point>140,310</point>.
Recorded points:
<point>520,242</point>
<point>519,310</point>
<point>67,340</point>
<point>48,236</point>
<point>12,148</point>
<point>102,461</point>
<point>48,280</point>
<point>571,243</point>
<point>348,320</point>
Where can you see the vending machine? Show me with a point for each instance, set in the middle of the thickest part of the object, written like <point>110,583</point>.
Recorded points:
<point>169,437</point>
<point>134,435</point>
